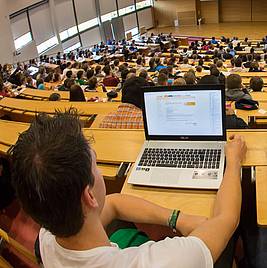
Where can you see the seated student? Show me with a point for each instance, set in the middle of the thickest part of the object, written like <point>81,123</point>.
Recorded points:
<point>29,83</point>
<point>80,79</point>
<point>92,84</point>
<point>40,84</point>
<point>256,83</point>
<point>159,64</point>
<point>144,74</point>
<point>56,78</point>
<point>237,66</point>
<point>152,65</point>
<point>3,90</point>
<point>67,69</point>
<point>162,79</point>
<point>249,59</point>
<point>185,64</point>
<point>67,85</point>
<point>76,93</point>
<point>227,54</point>
<point>129,113</point>
<point>110,80</point>
<point>190,78</point>
<point>98,71</point>
<point>179,82</point>
<point>214,41</point>
<point>234,88</point>
<point>49,78</point>
<point>238,47</point>
<point>254,67</point>
<point>54,97</point>
<point>220,67</point>
<point>57,181</point>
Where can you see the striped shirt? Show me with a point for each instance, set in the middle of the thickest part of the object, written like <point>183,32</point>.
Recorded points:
<point>128,116</point>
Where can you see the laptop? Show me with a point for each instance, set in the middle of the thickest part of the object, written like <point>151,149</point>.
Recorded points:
<point>185,137</point>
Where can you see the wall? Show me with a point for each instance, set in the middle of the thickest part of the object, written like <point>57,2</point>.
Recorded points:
<point>209,10</point>
<point>166,10</point>
<point>259,10</point>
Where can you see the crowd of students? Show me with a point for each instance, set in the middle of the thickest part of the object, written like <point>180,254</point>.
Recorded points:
<point>75,236</point>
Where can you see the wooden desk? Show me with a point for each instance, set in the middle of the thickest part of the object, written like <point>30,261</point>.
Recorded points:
<point>261,195</point>
<point>116,146</point>
<point>25,110</point>
<point>259,96</point>
<point>35,94</point>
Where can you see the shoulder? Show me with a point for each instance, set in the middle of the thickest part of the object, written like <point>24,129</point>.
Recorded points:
<point>189,252</point>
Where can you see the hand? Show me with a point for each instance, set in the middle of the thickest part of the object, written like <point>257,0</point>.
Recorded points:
<point>235,149</point>
<point>187,223</point>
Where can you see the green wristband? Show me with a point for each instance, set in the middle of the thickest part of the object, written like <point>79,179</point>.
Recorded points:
<point>173,220</point>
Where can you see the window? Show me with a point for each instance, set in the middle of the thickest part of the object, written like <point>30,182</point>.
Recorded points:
<point>126,10</point>
<point>142,4</point>
<point>68,33</point>
<point>47,44</point>
<point>109,16</point>
<point>23,40</point>
<point>134,31</point>
<point>88,24</point>
<point>69,49</point>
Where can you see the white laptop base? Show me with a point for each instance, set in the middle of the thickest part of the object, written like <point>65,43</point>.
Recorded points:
<point>197,178</point>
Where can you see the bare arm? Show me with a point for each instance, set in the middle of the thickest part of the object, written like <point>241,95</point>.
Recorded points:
<point>137,210</point>
<point>217,231</point>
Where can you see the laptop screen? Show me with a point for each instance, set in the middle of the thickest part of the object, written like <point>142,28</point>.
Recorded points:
<point>185,113</point>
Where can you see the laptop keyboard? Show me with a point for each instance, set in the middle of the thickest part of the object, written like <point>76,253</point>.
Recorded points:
<point>181,158</point>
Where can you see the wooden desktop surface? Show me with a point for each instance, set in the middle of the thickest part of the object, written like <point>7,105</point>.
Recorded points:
<point>33,106</point>
<point>65,95</point>
<point>261,195</point>
<point>115,146</point>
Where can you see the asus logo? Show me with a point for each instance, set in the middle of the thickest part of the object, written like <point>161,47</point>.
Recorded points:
<point>184,138</point>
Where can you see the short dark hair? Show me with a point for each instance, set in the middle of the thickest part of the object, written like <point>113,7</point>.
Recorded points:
<point>233,81</point>
<point>256,83</point>
<point>79,74</point>
<point>51,167</point>
<point>54,97</point>
<point>162,79</point>
<point>76,93</point>
<point>69,74</point>
<point>107,70</point>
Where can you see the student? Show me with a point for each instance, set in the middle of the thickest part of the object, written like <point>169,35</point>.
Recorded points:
<point>76,93</point>
<point>152,65</point>
<point>256,83</point>
<point>162,79</point>
<point>29,83</point>
<point>80,79</point>
<point>92,84</point>
<point>110,80</point>
<point>237,66</point>
<point>58,184</point>
<point>234,87</point>
<point>185,64</point>
<point>54,97</point>
<point>129,113</point>
<point>190,78</point>
<point>179,82</point>
<point>254,67</point>
<point>67,69</point>
<point>40,84</point>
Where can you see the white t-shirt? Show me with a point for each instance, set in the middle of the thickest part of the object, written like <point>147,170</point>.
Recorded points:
<point>178,252</point>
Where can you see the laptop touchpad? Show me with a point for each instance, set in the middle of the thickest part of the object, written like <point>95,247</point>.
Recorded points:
<point>169,176</point>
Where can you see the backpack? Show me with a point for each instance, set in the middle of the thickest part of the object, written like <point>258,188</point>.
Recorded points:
<point>244,104</point>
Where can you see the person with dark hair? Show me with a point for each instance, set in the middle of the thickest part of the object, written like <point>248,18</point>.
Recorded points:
<point>129,113</point>
<point>80,79</point>
<point>110,80</point>
<point>56,77</point>
<point>76,93</point>
<point>29,83</point>
<point>237,66</point>
<point>40,84</point>
<point>49,78</point>
<point>254,67</point>
<point>57,181</point>
<point>256,83</point>
<point>190,78</point>
<point>54,97</point>
<point>162,79</point>
<point>234,87</point>
<point>92,84</point>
